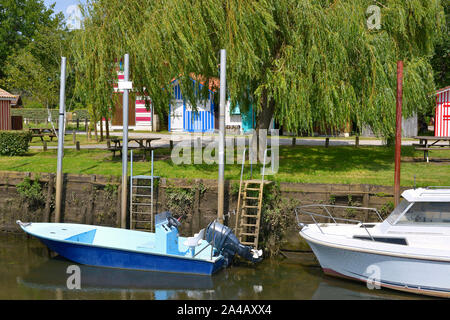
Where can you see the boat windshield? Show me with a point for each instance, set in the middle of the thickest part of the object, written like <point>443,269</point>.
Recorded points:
<point>426,213</point>
<point>398,211</point>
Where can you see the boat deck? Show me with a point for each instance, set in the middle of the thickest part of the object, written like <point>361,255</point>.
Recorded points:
<point>106,237</point>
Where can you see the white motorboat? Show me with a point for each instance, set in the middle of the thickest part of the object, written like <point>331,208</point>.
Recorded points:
<point>408,251</point>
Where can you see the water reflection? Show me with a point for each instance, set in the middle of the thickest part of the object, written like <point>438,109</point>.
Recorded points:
<point>28,272</point>
<point>52,275</point>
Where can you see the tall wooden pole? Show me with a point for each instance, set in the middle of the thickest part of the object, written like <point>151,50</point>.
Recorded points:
<point>62,111</point>
<point>221,182</point>
<point>123,215</point>
<point>398,134</point>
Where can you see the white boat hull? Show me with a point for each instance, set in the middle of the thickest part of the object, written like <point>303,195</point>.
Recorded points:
<point>428,277</point>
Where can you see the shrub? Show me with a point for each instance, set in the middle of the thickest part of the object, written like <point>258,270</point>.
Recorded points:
<point>31,192</point>
<point>14,143</point>
<point>276,219</point>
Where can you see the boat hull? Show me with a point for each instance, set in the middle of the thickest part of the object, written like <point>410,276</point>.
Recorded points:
<point>421,276</point>
<point>125,259</point>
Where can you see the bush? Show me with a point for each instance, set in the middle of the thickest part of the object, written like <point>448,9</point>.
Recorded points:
<point>276,219</point>
<point>14,143</point>
<point>31,192</point>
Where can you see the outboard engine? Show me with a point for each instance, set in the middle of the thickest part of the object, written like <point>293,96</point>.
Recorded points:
<point>227,244</point>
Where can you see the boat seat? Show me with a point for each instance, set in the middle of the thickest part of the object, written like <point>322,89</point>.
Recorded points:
<point>194,241</point>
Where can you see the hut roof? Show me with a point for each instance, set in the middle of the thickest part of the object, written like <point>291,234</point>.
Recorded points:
<point>6,95</point>
<point>17,103</point>
<point>442,90</point>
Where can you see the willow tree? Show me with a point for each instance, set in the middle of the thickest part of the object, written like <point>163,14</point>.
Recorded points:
<point>306,63</point>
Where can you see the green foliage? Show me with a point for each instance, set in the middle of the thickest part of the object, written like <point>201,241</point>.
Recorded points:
<point>111,190</point>
<point>31,192</point>
<point>42,114</point>
<point>308,63</point>
<point>386,209</point>
<point>180,201</point>
<point>14,143</point>
<point>234,189</point>
<point>276,219</point>
<point>31,67</point>
<point>21,23</point>
<point>441,57</point>
<point>332,199</point>
<point>34,70</point>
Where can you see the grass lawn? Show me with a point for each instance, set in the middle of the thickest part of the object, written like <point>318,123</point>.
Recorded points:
<point>342,164</point>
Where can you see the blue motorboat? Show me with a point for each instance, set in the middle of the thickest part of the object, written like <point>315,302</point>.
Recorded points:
<point>164,250</point>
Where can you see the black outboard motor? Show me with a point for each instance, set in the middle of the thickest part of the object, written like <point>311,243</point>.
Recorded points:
<point>226,243</point>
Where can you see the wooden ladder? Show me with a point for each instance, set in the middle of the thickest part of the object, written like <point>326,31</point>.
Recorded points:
<point>248,214</point>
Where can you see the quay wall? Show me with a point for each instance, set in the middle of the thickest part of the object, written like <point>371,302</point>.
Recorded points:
<point>95,199</point>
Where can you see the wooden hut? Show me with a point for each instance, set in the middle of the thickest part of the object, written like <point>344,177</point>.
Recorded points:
<point>5,109</point>
<point>139,118</point>
<point>442,116</point>
<point>17,121</point>
<point>183,117</point>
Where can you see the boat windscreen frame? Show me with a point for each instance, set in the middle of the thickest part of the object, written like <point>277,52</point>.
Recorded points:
<point>424,223</point>
<point>401,214</point>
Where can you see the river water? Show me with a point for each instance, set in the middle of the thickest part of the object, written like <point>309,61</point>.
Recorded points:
<point>29,271</point>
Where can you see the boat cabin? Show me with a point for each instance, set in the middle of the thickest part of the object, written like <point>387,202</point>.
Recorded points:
<point>422,207</point>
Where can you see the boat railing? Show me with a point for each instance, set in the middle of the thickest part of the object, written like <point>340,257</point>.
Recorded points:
<point>305,210</point>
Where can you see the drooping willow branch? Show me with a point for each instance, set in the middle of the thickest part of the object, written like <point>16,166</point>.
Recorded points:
<point>314,62</point>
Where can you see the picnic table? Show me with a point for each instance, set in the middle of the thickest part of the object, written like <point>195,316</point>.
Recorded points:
<point>43,132</point>
<point>428,143</point>
<point>144,144</point>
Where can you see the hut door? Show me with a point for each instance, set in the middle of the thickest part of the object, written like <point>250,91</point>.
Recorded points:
<point>446,119</point>
<point>176,115</point>
<point>117,118</point>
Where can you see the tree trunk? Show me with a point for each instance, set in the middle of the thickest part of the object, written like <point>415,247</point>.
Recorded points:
<point>263,122</point>
<point>107,127</point>
<point>95,131</point>
<point>101,129</point>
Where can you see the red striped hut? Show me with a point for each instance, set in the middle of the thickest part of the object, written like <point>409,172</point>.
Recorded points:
<point>6,99</point>
<point>442,118</point>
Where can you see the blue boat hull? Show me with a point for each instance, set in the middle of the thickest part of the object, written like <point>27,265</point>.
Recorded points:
<point>123,259</point>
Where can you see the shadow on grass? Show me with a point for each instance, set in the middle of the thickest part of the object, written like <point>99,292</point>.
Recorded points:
<point>88,168</point>
<point>20,165</point>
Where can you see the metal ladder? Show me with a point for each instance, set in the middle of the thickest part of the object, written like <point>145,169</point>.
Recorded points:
<point>141,199</point>
<point>249,207</point>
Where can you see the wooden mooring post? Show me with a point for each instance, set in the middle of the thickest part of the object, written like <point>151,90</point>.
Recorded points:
<point>398,134</point>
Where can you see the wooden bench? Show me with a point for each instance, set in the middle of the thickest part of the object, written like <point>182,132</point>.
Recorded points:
<point>426,146</point>
<point>42,135</point>
<point>42,132</point>
<point>144,144</point>
<point>119,149</point>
